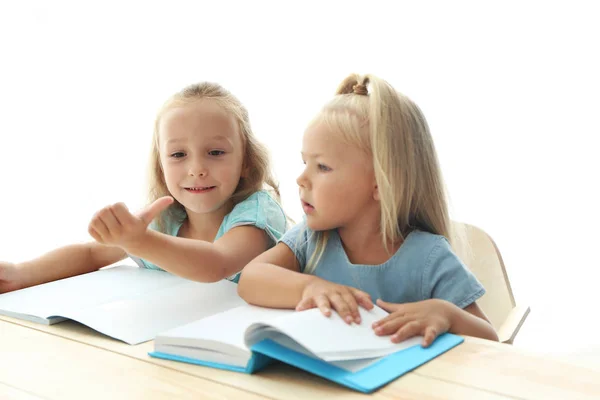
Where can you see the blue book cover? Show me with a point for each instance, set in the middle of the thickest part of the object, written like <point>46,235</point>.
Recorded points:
<point>369,378</point>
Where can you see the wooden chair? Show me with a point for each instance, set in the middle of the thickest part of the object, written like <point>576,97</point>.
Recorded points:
<point>483,258</point>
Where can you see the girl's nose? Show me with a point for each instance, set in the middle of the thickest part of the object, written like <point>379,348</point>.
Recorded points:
<point>302,180</point>
<point>198,169</point>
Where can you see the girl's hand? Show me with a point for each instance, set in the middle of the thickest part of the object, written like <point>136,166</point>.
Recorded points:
<point>343,299</point>
<point>8,277</point>
<point>429,318</point>
<point>116,226</point>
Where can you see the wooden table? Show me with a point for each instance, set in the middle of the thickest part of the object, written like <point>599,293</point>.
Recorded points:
<point>71,361</point>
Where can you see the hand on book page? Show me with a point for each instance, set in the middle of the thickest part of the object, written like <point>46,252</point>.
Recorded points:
<point>429,318</point>
<point>326,296</point>
<point>328,338</point>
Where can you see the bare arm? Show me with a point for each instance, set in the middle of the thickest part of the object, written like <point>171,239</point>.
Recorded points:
<point>199,260</point>
<point>65,262</point>
<point>273,279</point>
<point>189,258</point>
<point>472,321</point>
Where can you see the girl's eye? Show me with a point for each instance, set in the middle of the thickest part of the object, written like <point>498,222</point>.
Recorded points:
<point>216,152</point>
<point>323,167</point>
<point>178,154</point>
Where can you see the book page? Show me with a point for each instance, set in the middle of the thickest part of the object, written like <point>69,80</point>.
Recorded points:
<point>127,303</point>
<point>63,297</point>
<point>140,318</point>
<point>221,331</point>
<point>332,339</point>
<point>348,365</point>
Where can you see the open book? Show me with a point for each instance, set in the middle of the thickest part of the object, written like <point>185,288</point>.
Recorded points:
<point>127,303</point>
<point>247,338</point>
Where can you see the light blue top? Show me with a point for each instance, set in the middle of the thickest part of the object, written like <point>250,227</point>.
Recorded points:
<point>259,210</point>
<point>424,267</point>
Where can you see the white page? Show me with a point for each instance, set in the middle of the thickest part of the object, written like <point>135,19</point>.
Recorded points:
<point>128,303</point>
<point>348,365</point>
<point>140,318</point>
<point>63,297</point>
<point>332,339</point>
<point>219,332</point>
<point>233,359</point>
<point>356,365</point>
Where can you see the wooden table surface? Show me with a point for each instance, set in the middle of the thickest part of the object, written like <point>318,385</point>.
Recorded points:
<point>71,361</point>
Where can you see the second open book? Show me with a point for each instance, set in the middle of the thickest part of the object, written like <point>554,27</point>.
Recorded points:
<point>246,338</point>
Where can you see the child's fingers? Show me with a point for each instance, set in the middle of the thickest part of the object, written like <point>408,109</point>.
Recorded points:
<point>431,332</point>
<point>95,234</point>
<point>98,225</point>
<point>363,299</point>
<point>348,297</point>
<point>389,307</point>
<point>305,304</point>
<point>390,317</point>
<point>342,308</point>
<point>322,302</point>
<point>122,214</point>
<point>409,330</point>
<point>110,220</point>
<point>392,325</point>
<point>153,210</point>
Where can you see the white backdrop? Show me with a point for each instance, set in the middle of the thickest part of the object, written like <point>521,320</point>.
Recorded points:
<point>511,92</point>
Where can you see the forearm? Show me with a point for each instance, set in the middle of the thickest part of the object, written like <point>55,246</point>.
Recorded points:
<point>268,285</point>
<point>191,259</point>
<point>465,323</point>
<point>58,264</point>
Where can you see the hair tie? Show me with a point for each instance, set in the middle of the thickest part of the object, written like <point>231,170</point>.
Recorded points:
<point>360,89</point>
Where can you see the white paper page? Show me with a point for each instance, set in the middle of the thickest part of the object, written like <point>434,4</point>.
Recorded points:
<point>348,365</point>
<point>332,339</point>
<point>141,318</point>
<point>127,303</point>
<point>227,328</point>
<point>239,359</point>
<point>355,365</point>
<point>65,296</point>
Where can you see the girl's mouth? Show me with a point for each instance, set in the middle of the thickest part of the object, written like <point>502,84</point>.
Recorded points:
<point>199,189</point>
<point>307,207</point>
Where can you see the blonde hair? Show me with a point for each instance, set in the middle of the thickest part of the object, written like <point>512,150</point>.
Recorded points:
<point>392,129</point>
<point>256,156</point>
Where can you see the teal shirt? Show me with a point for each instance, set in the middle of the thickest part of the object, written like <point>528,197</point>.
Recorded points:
<point>259,210</point>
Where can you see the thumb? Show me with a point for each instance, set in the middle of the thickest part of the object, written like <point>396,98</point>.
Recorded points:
<point>153,210</point>
<point>389,307</point>
<point>305,304</point>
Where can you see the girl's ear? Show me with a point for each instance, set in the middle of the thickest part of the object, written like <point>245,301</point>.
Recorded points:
<point>376,196</point>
